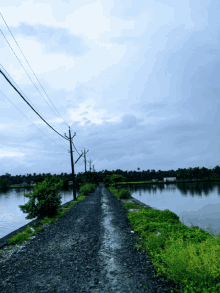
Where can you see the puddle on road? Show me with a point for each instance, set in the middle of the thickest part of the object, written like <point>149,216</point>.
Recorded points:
<point>109,246</point>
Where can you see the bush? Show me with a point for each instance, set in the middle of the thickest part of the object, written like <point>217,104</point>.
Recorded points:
<point>47,194</point>
<point>124,194</point>
<point>86,189</point>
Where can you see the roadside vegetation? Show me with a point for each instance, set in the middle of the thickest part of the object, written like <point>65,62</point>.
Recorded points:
<point>48,205</point>
<point>189,256</point>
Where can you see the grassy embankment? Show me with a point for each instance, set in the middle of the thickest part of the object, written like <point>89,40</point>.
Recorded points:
<point>187,256</point>
<point>21,237</point>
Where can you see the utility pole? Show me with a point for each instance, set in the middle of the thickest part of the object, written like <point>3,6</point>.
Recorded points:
<point>72,163</point>
<point>85,162</point>
<point>90,164</point>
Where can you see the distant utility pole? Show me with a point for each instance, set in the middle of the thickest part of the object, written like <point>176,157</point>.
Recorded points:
<point>90,162</point>
<point>85,162</point>
<point>72,163</point>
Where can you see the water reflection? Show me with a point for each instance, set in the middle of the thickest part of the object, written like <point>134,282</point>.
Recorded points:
<point>11,217</point>
<point>191,188</point>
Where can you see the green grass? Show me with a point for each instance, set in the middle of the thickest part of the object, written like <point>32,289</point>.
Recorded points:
<point>25,235</point>
<point>132,206</point>
<point>187,256</point>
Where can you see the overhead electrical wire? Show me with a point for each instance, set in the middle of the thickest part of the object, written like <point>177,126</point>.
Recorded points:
<point>78,144</point>
<point>27,103</point>
<point>30,120</point>
<point>30,105</point>
<point>21,90</point>
<point>26,72</point>
<point>75,148</point>
<point>32,70</point>
<point>31,80</point>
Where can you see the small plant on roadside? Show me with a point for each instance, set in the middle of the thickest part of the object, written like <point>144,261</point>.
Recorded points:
<point>47,196</point>
<point>86,189</point>
<point>124,194</point>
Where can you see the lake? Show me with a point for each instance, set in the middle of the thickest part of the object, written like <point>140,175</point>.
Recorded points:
<point>11,217</point>
<point>198,203</point>
<point>194,202</point>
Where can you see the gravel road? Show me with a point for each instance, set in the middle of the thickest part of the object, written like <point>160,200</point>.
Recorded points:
<point>90,249</point>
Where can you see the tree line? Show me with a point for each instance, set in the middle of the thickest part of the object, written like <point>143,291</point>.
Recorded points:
<point>130,176</point>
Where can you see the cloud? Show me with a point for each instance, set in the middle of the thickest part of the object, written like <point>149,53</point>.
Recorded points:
<point>55,40</point>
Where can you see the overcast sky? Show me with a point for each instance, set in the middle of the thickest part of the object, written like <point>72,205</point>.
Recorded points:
<point>138,81</point>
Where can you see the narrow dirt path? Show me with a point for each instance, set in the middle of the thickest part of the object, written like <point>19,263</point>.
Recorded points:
<point>90,249</point>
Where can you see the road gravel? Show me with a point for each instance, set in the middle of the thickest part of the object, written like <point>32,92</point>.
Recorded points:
<point>90,249</point>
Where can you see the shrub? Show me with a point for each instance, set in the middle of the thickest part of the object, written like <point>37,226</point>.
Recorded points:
<point>47,194</point>
<point>124,194</point>
<point>86,189</point>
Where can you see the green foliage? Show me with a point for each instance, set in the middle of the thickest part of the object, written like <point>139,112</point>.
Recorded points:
<point>80,180</point>
<point>185,255</point>
<point>65,183</point>
<point>21,237</point>
<point>132,206</point>
<point>86,189</point>
<point>117,178</point>
<point>124,194</point>
<point>180,252</point>
<point>47,196</point>
<point>107,180</point>
<point>4,183</point>
<point>92,177</point>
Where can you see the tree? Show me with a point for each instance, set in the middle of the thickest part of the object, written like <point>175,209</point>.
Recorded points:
<point>117,178</point>
<point>217,170</point>
<point>107,180</point>
<point>195,172</point>
<point>4,184</point>
<point>48,199</point>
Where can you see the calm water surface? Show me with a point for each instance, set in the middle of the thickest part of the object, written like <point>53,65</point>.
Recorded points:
<point>11,217</point>
<point>198,203</point>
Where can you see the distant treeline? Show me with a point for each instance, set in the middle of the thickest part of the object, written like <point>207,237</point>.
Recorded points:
<point>130,176</point>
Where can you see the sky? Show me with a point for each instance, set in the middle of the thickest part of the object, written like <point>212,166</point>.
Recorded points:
<point>136,80</point>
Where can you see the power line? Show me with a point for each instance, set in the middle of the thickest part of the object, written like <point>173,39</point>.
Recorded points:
<point>20,89</point>
<point>79,144</point>
<point>29,104</point>
<point>30,67</point>
<point>75,148</point>
<point>30,120</point>
<point>26,72</point>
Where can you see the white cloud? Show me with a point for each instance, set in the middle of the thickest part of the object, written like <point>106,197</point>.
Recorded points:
<point>89,113</point>
<point>5,153</point>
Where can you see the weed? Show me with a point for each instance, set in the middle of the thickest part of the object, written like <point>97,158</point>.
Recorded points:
<point>189,256</point>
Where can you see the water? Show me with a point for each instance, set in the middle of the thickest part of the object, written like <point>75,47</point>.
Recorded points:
<point>11,217</point>
<point>196,203</point>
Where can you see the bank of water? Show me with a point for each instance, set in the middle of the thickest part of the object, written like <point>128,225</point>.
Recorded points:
<point>196,203</point>
<point>11,217</point>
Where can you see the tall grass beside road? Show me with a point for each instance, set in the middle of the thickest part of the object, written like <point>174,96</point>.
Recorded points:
<point>189,256</point>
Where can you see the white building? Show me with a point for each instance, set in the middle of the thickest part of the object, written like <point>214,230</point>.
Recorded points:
<point>169,179</point>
